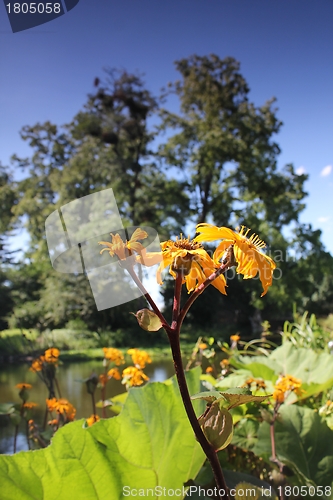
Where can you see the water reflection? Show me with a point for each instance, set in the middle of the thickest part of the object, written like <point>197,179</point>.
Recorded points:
<point>69,376</point>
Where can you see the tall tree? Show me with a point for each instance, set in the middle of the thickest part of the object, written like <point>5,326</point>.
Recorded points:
<point>224,147</point>
<point>106,145</point>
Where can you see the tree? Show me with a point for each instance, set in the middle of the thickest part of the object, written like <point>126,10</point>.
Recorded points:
<point>106,145</point>
<point>224,148</point>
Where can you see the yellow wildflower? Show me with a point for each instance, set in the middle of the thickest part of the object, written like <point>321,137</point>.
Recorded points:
<point>51,404</point>
<point>29,405</point>
<point>260,384</point>
<point>51,355</point>
<point>114,373</point>
<point>37,364</point>
<point>209,369</point>
<point>23,386</point>
<point>114,355</point>
<point>61,406</point>
<point>54,421</point>
<point>140,358</point>
<point>122,249</point>
<point>247,251</point>
<point>91,420</point>
<point>186,257</point>
<point>133,376</point>
<point>286,384</point>
<point>234,338</point>
<point>202,346</point>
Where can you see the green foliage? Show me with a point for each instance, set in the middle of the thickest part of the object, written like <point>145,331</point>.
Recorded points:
<point>314,369</point>
<point>17,341</point>
<point>303,442</point>
<point>305,332</point>
<point>99,461</point>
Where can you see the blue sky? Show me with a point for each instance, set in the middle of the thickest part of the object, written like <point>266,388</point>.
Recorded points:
<point>285,49</point>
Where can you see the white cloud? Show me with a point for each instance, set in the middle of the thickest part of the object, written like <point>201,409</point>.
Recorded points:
<point>326,171</point>
<point>323,219</point>
<point>300,170</point>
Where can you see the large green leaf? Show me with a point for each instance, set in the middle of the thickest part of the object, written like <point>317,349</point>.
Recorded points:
<point>246,433</point>
<point>149,443</point>
<point>303,442</point>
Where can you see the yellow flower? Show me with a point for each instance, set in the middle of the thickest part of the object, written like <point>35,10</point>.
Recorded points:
<point>23,386</point>
<point>187,257</point>
<point>122,249</point>
<point>62,406</point>
<point>114,355</point>
<point>140,358</point>
<point>225,362</point>
<point>286,384</point>
<point>260,384</point>
<point>278,395</point>
<point>234,338</point>
<point>247,251</point>
<point>91,420</point>
<point>133,376</point>
<point>37,364</point>
<point>209,369</point>
<point>114,373</point>
<point>202,346</point>
<point>51,404</point>
<point>54,421</point>
<point>29,405</point>
<point>51,355</point>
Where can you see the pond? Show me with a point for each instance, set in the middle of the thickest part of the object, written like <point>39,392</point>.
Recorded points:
<point>69,376</point>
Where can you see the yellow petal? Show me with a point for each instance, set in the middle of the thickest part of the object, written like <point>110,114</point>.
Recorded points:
<point>211,233</point>
<point>139,234</point>
<point>149,259</point>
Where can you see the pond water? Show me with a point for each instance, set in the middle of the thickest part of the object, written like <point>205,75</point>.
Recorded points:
<point>69,376</point>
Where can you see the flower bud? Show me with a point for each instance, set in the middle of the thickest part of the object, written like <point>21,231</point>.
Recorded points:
<point>91,383</point>
<point>217,426</point>
<point>148,320</point>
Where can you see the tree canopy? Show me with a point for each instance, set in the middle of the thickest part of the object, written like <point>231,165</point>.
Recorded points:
<point>218,163</point>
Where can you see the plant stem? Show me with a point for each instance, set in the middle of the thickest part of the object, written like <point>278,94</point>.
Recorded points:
<point>27,434</point>
<point>205,445</point>
<point>93,403</point>
<point>274,457</point>
<point>57,386</point>
<point>154,307</point>
<point>15,437</point>
<point>173,333</point>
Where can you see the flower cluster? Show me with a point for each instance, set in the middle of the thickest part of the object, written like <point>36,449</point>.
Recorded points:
<point>285,385</point>
<point>92,419</point>
<point>112,354</point>
<point>139,358</point>
<point>62,407</point>
<point>133,376</point>
<point>187,257</point>
<point>51,357</point>
<point>257,382</point>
